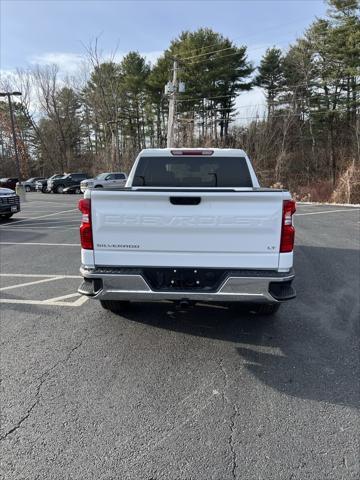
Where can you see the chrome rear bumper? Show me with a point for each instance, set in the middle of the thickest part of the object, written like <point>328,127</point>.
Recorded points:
<point>245,286</point>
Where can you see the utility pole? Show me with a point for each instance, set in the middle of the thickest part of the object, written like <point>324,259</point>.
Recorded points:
<point>172,90</point>
<point>8,95</point>
<point>113,148</point>
<point>114,143</point>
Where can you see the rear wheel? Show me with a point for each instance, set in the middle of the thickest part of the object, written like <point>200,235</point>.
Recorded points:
<point>27,188</point>
<point>44,189</point>
<point>114,305</point>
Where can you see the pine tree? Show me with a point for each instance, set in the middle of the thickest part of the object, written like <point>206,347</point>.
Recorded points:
<point>215,71</point>
<point>271,77</point>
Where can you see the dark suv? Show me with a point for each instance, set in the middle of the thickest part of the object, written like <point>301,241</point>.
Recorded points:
<point>41,185</point>
<point>9,203</point>
<point>57,185</point>
<point>9,182</point>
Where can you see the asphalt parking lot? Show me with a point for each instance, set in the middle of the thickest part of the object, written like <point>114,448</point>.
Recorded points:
<point>163,394</point>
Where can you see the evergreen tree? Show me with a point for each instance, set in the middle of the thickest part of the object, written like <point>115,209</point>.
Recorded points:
<point>215,71</point>
<point>271,76</point>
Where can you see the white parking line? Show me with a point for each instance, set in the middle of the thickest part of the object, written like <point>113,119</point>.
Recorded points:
<point>37,275</point>
<point>38,229</point>
<point>30,283</point>
<point>54,301</point>
<point>328,211</point>
<point>42,216</point>
<point>45,225</point>
<point>31,208</point>
<point>63,218</point>
<point>58,300</point>
<point>42,243</point>
<point>45,201</point>
<point>77,303</point>
<point>63,297</point>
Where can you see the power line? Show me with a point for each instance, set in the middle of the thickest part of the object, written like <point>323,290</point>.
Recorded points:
<point>223,56</point>
<point>211,98</point>
<point>182,59</point>
<point>237,38</point>
<point>283,89</point>
<point>210,53</point>
<point>257,117</point>
<point>305,84</point>
<point>207,110</point>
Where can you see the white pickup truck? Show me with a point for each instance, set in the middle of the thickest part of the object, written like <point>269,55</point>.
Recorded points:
<point>110,179</point>
<point>191,225</point>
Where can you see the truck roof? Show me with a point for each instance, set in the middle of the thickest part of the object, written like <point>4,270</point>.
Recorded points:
<point>217,152</point>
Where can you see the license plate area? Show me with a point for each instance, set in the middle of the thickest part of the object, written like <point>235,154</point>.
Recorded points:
<point>14,208</point>
<point>184,279</point>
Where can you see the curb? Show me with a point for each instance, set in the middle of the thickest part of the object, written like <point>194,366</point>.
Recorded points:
<point>354,205</point>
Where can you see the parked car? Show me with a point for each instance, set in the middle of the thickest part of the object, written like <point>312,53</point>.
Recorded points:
<point>73,189</point>
<point>192,225</point>
<point>41,185</point>
<point>9,182</point>
<point>113,179</point>
<point>31,183</point>
<point>57,185</point>
<point>9,203</point>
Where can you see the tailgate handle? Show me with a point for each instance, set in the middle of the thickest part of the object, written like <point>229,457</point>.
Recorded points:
<point>185,200</point>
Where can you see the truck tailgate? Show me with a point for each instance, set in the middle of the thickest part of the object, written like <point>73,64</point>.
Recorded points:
<point>227,229</point>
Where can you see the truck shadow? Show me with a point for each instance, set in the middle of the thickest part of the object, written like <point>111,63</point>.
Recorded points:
<point>308,350</point>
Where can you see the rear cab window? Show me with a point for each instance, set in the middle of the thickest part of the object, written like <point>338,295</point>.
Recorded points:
<point>78,176</point>
<point>188,171</point>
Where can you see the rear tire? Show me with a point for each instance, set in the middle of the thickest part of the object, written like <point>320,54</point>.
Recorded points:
<point>265,308</point>
<point>114,306</point>
<point>27,188</point>
<point>44,189</point>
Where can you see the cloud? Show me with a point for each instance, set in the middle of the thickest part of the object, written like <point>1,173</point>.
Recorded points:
<point>151,57</point>
<point>70,63</point>
<point>250,105</point>
<point>7,77</point>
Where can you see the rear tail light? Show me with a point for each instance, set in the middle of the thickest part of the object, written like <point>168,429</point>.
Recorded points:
<point>287,228</point>
<point>86,238</point>
<point>191,152</point>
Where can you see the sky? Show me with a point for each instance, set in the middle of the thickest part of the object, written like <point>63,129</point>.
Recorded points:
<point>58,31</point>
